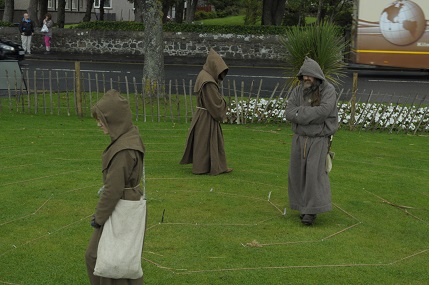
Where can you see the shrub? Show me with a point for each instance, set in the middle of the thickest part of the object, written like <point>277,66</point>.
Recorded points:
<point>202,15</point>
<point>108,25</point>
<point>190,28</point>
<point>6,24</point>
<point>323,43</point>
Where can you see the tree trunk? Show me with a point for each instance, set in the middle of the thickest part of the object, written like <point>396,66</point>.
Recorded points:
<point>166,4</point>
<point>273,12</point>
<point>319,12</point>
<point>191,7</point>
<point>89,5</point>
<point>336,8</point>
<point>8,11</point>
<point>179,11</point>
<point>61,15</point>
<point>138,6</point>
<point>32,11</point>
<point>266,12</point>
<point>43,10</point>
<point>279,12</point>
<point>101,10</point>
<point>153,47</point>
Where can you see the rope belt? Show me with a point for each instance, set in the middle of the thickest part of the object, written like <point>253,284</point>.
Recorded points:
<point>306,140</point>
<point>305,147</point>
<point>201,108</point>
<point>132,188</point>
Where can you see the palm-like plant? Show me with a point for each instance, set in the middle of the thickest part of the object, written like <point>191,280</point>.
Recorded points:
<point>324,43</point>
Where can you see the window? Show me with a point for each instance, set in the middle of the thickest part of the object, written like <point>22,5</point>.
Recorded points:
<point>73,5</point>
<point>107,4</point>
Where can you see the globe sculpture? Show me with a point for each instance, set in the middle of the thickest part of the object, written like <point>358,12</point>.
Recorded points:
<point>402,22</point>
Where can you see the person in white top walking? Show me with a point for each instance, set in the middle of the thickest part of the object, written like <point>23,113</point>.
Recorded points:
<point>48,35</point>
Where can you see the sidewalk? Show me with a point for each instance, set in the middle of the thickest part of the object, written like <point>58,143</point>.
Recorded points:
<point>181,60</point>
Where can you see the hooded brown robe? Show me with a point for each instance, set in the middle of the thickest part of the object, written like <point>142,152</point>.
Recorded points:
<point>308,182</point>
<point>205,144</point>
<point>122,165</point>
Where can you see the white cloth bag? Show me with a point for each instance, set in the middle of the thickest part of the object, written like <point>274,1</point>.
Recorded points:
<point>329,157</point>
<point>120,247</point>
<point>44,29</point>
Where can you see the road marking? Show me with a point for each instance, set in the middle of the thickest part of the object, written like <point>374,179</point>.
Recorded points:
<point>72,70</point>
<point>399,81</point>
<point>252,76</point>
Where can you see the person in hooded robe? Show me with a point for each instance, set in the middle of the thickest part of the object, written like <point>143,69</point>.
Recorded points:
<point>205,144</point>
<point>122,170</point>
<point>312,110</point>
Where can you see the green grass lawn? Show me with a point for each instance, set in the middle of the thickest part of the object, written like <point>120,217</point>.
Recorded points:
<point>216,229</point>
<point>230,20</point>
<point>239,20</point>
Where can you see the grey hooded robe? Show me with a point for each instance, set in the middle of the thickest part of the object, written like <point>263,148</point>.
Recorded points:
<point>308,182</point>
<point>205,144</point>
<point>122,165</point>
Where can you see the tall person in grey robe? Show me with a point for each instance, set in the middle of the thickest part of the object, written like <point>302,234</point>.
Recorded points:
<point>205,144</point>
<point>312,109</point>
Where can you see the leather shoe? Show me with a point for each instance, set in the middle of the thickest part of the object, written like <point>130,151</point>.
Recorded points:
<point>308,219</point>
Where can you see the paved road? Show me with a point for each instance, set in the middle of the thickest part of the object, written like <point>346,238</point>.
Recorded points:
<point>384,85</point>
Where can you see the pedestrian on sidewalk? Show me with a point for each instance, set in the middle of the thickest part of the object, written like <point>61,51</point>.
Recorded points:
<point>312,109</point>
<point>48,35</point>
<point>26,29</point>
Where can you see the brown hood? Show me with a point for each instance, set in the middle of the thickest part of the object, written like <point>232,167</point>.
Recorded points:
<point>213,67</point>
<point>114,112</point>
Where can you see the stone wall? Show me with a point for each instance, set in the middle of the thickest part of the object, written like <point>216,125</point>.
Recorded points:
<point>265,50</point>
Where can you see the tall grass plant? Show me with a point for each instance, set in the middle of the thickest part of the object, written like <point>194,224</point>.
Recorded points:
<point>323,43</point>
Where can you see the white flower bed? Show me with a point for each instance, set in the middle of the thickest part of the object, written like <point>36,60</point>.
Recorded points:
<point>386,116</point>
<point>367,115</point>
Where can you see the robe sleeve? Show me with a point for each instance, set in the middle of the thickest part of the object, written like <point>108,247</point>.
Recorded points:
<point>118,173</point>
<point>306,114</point>
<point>318,114</point>
<point>213,101</point>
<point>292,107</point>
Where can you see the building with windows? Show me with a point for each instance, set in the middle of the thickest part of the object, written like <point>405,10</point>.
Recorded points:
<point>114,10</point>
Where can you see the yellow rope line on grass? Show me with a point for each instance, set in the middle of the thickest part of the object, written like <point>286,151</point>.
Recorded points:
<point>401,207</point>
<point>286,267</point>
<point>45,235</point>
<point>4,282</point>
<point>323,239</point>
<point>35,212</point>
<point>37,178</point>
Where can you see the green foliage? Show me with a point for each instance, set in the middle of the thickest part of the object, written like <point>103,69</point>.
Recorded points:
<point>242,30</point>
<point>191,28</point>
<point>202,15</point>
<point>110,25</point>
<point>337,12</point>
<point>323,43</point>
<point>226,8</point>
<point>227,21</point>
<point>253,10</point>
<point>6,24</point>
